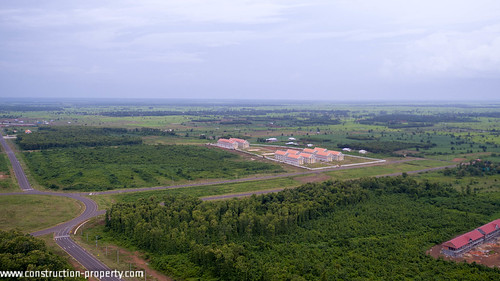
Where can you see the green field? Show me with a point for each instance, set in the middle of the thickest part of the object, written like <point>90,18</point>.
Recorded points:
<point>6,180</point>
<point>104,168</point>
<point>29,213</point>
<point>386,169</point>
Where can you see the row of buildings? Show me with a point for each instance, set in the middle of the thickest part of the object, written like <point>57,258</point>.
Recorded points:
<point>308,156</point>
<point>233,143</point>
<point>463,243</point>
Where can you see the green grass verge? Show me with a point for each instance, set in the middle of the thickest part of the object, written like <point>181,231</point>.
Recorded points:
<point>105,201</point>
<point>385,169</point>
<point>29,213</point>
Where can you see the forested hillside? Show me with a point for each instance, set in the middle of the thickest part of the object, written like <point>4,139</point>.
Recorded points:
<point>363,229</point>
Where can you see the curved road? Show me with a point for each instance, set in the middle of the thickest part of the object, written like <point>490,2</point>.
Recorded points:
<point>62,231</point>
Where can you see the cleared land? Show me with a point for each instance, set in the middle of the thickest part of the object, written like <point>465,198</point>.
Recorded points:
<point>103,168</point>
<point>29,213</point>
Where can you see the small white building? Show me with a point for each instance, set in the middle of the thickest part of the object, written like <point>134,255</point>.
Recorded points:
<point>292,139</point>
<point>346,149</point>
<point>272,140</point>
<point>362,151</point>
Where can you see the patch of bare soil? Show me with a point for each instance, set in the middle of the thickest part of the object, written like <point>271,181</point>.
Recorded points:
<point>313,178</point>
<point>2,176</point>
<point>459,159</point>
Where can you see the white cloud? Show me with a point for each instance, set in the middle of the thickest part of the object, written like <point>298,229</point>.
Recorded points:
<point>449,54</point>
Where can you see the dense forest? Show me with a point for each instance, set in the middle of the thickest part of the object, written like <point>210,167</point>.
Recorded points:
<point>20,252</point>
<point>102,168</point>
<point>377,228</point>
<point>75,136</point>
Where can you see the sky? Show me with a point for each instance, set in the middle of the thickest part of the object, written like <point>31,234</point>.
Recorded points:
<point>260,49</point>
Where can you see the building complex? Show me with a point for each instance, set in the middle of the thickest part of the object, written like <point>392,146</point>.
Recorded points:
<point>463,243</point>
<point>308,156</point>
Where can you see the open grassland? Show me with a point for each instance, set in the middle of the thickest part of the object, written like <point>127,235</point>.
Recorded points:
<point>385,169</point>
<point>105,201</point>
<point>29,213</point>
<point>104,168</point>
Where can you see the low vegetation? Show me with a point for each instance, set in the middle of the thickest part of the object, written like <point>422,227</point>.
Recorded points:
<point>105,168</point>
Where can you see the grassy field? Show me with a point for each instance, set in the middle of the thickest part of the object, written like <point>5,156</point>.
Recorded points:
<point>29,213</point>
<point>105,201</point>
<point>385,169</point>
<point>486,184</point>
<point>7,183</point>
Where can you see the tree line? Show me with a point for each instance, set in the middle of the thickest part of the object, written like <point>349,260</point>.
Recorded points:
<point>75,136</point>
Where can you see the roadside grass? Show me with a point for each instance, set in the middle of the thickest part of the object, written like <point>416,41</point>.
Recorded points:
<point>30,213</point>
<point>7,180</point>
<point>105,201</point>
<point>385,169</point>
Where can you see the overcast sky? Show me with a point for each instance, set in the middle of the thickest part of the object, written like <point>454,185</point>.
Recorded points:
<point>315,49</point>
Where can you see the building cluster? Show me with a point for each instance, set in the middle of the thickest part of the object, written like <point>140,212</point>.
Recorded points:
<point>308,156</point>
<point>233,143</point>
<point>463,243</point>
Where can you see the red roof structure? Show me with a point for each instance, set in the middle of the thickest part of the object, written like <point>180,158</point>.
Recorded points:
<point>309,150</point>
<point>306,155</point>
<point>291,151</point>
<point>280,152</point>
<point>490,227</point>
<point>237,140</point>
<point>464,239</point>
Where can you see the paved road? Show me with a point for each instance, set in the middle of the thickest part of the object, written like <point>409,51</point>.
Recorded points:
<point>18,170</point>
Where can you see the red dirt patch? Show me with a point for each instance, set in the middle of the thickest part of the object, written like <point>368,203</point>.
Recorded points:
<point>459,159</point>
<point>313,178</point>
<point>141,263</point>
